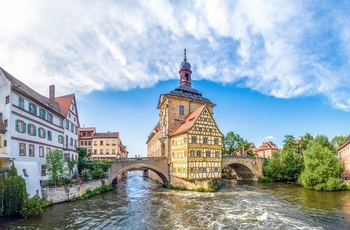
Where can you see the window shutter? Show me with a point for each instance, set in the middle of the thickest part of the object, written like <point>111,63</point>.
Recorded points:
<point>24,127</point>
<point>44,133</point>
<point>34,130</point>
<point>28,128</point>
<point>17,125</point>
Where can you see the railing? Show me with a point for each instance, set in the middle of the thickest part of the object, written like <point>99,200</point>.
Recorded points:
<point>140,159</point>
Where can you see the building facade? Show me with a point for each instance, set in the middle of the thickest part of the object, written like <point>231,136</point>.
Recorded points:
<point>102,145</point>
<point>34,127</point>
<point>172,136</point>
<point>344,156</point>
<point>266,149</point>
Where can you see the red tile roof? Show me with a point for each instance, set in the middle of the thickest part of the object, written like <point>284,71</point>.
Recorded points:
<point>189,121</point>
<point>65,102</point>
<point>267,145</point>
<point>107,135</point>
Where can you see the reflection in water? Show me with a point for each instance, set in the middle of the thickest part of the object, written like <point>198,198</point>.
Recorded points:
<point>139,203</point>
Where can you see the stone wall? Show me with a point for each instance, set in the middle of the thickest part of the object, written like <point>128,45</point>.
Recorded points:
<point>192,184</point>
<point>58,194</point>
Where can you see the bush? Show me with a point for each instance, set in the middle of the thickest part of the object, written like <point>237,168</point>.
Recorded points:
<point>265,179</point>
<point>33,207</point>
<point>201,189</point>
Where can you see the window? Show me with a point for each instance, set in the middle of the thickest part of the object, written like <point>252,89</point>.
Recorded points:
<point>20,126</point>
<point>32,108</point>
<point>81,143</point>
<point>191,170</point>
<point>101,142</point>
<point>43,170</point>
<point>31,129</point>
<point>60,139</point>
<point>31,151</point>
<point>67,124</point>
<point>200,129</point>
<point>101,151</point>
<point>21,102</point>
<point>95,142</point>
<point>185,140</point>
<point>107,142</point>
<point>113,151</point>
<point>95,151</point>
<point>210,130</point>
<point>7,99</point>
<point>216,141</point>
<point>216,170</point>
<point>205,119</point>
<point>172,142</point>
<point>113,142</point>
<point>71,141</point>
<point>200,169</point>
<point>217,154</point>
<point>185,153</point>
<point>89,143</point>
<point>61,123</point>
<point>207,154</point>
<point>25,173</point>
<point>66,157</point>
<point>107,151</point>
<point>5,143</point>
<point>42,133</point>
<point>49,135</point>
<point>181,110</point>
<point>48,150</point>
<point>41,151</point>
<point>22,149</point>
<point>75,143</point>
<point>192,153</point>
<point>204,170</point>
<point>0,141</point>
<point>49,117</point>
<point>205,140</point>
<point>172,154</point>
<point>194,140</point>
<point>198,153</point>
<point>72,128</point>
<point>6,122</point>
<point>42,113</point>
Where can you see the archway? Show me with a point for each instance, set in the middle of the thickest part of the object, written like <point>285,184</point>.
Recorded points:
<point>242,172</point>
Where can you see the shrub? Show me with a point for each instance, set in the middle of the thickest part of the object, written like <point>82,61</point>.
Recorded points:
<point>265,179</point>
<point>33,207</point>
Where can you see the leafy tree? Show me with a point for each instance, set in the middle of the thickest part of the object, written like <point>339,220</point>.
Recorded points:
<point>233,143</point>
<point>324,142</point>
<point>71,163</point>
<point>338,141</point>
<point>292,166</point>
<point>33,207</point>
<point>55,165</point>
<point>289,146</point>
<point>302,145</point>
<point>322,168</point>
<point>273,168</point>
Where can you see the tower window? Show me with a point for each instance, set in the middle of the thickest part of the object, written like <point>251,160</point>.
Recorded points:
<point>181,110</point>
<point>186,77</point>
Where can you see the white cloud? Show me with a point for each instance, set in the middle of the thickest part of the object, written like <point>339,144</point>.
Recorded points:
<point>269,138</point>
<point>279,48</point>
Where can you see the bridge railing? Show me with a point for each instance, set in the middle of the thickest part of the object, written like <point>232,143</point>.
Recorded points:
<point>140,159</point>
<point>241,157</point>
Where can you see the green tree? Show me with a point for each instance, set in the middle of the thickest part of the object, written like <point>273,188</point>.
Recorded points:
<point>324,142</point>
<point>292,166</point>
<point>71,163</point>
<point>55,165</point>
<point>338,141</point>
<point>322,168</point>
<point>233,143</point>
<point>273,168</point>
<point>289,146</point>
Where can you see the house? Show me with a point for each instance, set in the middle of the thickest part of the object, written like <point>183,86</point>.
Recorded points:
<point>266,149</point>
<point>31,126</point>
<point>344,156</point>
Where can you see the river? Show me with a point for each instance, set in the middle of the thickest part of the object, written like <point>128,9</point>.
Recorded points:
<point>140,203</point>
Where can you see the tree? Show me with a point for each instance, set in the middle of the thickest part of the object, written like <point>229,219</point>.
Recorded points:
<point>55,165</point>
<point>273,168</point>
<point>289,146</point>
<point>324,142</point>
<point>338,141</point>
<point>322,168</point>
<point>71,163</point>
<point>233,143</point>
<point>292,166</point>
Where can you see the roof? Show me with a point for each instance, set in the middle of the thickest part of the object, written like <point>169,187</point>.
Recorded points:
<point>189,92</point>
<point>267,145</point>
<point>2,126</point>
<point>65,102</point>
<point>107,135</point>
<point>26,90</point>
<point>189,121</point>
<point>347,141</point>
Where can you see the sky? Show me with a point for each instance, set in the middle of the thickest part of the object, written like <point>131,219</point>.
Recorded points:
<point>271,67</point>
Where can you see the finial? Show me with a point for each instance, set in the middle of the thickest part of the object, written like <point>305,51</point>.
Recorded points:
<point>185,55</point>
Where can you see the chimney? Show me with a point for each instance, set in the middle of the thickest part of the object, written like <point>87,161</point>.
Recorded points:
<point>52,96</point>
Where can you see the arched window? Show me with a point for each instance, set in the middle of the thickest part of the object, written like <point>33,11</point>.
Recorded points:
<point>186,77</point>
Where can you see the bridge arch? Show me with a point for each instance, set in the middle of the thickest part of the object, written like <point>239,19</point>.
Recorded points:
<point>157,165</point>
<point>246,168</point>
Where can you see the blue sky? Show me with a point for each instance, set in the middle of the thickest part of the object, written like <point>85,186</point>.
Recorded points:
<point>272,67</point>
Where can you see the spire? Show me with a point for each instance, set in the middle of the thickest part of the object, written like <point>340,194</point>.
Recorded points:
<point>185,72</point>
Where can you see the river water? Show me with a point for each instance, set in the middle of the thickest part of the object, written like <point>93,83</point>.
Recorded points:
<point>140,203</point>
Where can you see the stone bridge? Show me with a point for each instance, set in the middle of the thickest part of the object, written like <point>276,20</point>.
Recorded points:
<point>246,168</point>
<point>159,165</point>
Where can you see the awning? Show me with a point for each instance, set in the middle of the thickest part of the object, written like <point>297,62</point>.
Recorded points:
<point>4,155</point>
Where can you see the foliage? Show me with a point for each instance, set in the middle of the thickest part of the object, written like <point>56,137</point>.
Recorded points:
<point>283,167</point>
<point>86,175</point>
<point>289,144</point>
<point>322,168</point>
<point>215,186</point>
<point>170,186</point>
<point>12,192</point>
<point>103,188</point>
<point>89,169</point>
<point>71,163</point>
<point>201,189</point>
<point>264,179</point>
<point>55,165</point>
<point>338,141</point>
<point>98,172</point>
<point>233,143</point>
<point>33,207</point>
<point>324,142</point>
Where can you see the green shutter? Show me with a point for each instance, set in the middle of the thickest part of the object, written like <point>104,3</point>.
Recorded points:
<point>28,128</point>
<point>24,127</point>
<point>34,130</point>
<point>17,125</point>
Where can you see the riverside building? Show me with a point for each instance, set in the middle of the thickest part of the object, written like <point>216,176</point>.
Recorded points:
<point>31,125</point>
<point>187,134</point>
<point>344,156</point>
